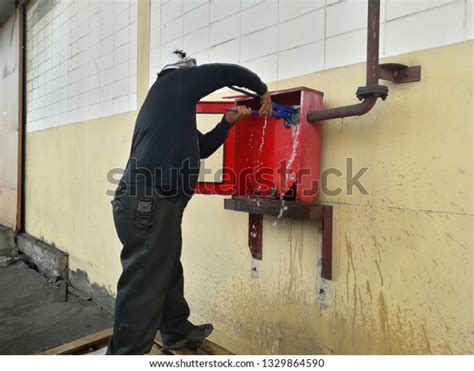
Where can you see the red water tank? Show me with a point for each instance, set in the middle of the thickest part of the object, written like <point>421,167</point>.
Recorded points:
<point>266,157</point>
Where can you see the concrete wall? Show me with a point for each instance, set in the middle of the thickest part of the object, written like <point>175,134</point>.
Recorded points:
<point>9,84</point>
<point>402,254</point>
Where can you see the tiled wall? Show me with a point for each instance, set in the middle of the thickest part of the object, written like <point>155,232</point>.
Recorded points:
<point>82,54</point>
<point>81,60</point>
<point>284,38</point>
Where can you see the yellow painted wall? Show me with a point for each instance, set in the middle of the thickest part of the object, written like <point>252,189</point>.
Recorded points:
<point>402,255</point>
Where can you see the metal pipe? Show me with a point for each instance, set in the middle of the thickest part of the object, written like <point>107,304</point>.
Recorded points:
<point>372,90</point>
<point>345,111</point>
<point>373,23</point>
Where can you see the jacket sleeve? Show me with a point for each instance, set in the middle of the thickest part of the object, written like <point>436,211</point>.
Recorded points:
<point>211,141</point>
<point>203,80</point>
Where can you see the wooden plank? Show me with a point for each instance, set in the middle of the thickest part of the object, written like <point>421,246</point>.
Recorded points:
<point>157,350</point>
<point>82,343</point>
<point>206,347</point>
<point>100,339</point>
<point>188,350</point>
<point>213,349</point>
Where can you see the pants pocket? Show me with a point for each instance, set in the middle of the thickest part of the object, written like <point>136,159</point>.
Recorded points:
<point>144,214</point>
<point>118,206</point>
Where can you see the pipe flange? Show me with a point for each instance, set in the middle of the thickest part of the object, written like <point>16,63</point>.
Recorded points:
<point>364,92</point>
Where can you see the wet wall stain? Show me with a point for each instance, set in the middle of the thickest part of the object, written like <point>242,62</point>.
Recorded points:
<point>99,293</point>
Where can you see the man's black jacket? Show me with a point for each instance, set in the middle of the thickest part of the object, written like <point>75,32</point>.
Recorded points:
<point>166,145</point>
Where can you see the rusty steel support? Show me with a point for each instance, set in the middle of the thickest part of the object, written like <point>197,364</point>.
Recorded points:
<point>257,208</point>
<point>326,248</point>
<point>372,91</point>
<point>255,235</point>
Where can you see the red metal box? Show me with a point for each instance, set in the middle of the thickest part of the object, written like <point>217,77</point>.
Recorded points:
<point>266,157</point>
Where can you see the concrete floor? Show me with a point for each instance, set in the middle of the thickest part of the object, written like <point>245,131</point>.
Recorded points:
<point>33,317</point>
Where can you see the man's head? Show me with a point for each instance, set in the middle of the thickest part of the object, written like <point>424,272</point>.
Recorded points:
<point>177,59</point>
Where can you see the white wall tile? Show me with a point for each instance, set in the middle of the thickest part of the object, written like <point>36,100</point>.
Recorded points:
<point>225,53</point>
<point>346,16</point>
<point>424,30</point>
<point>119,6</point>
<point>249,3</point>
<point>223,8</point>
<point>121,20</point>
<point>191,4</point>
<point>132,86</point>
<point>121,104</point>
<point>121,54</point>
<point>265,67</point>
<point>120,88</point>
<point>468,26</point>
<point>258,17</point>
<point>258,44</point>
<point>170,10</point>
<point>293,8</point>
<point>301,60</point>
<point>132,99</point>
<point>106,76</point>
<point>196,18</point>
<point>133,11</point>
<point>400,8</point>
<point>107,45</point>
<point>225,29</point>
<point>94,96</point>
<point>107,92</point>
<point>346,49</point>
<point>121,71</point>
<point>155,8</point>
<point>106,60</point>
<point>120,38</point>
<point>202,57</point>
<point>301,30</point>
<point>172,30</point>
<point>197,40</point>
<point>106,24</point>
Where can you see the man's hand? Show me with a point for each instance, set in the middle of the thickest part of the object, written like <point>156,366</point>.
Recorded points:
<point>241,113</point>
<point>266,105</point>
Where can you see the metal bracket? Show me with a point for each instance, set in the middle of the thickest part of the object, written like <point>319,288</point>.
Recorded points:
<point>399,73</point>
<point>257,207</point>
<point>255,235</point>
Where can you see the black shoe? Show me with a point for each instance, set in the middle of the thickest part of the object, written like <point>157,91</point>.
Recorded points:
<point>197,333</point>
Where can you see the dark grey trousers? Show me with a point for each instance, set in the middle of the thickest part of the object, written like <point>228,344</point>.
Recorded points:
<point>150,288</point>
